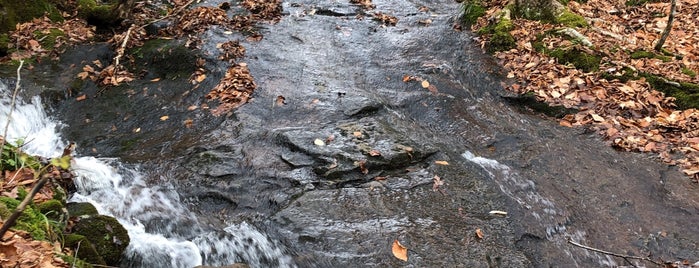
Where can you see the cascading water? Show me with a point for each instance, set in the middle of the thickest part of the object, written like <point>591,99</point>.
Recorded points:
<point>523,191</point>
<point>163,232</point>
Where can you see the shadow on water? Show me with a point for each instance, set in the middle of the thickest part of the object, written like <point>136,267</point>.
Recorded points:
<point>371,180</point>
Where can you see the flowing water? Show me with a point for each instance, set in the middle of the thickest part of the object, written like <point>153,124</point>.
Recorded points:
<point>163,232</point>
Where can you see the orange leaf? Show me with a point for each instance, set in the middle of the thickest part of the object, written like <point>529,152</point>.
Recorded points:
<point>441,162</point>
<point>399,251</point>
<point>479,233</point>
<point>81,97</point>
<point>425,84</point>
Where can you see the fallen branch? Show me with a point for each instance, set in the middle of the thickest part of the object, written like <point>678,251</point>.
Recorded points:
<point>625,257</point>
<point>20,208</point>
<point>122,48</point>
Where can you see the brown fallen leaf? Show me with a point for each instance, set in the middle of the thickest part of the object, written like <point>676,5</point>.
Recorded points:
<point>188,123</point>
<point>280,100</point>
<point>441,162</point>
<point>479,233</point>
<point>362,167</point>
<point>357,134</point>
<point>164,118</point>
<point>425,84</point>
<point>374,152</point>
<point>399,251</point>
<point>81,97</point>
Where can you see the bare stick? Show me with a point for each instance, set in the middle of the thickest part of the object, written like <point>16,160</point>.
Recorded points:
<point>666,32</point>
<point>12,108</point>
<point>625,257</point>
<point>120,51</point>
<point>175,12</point>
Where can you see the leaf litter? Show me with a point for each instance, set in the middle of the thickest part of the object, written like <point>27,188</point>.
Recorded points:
<point>630,115</point>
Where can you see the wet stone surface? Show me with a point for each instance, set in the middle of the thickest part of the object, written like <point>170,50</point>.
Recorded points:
<point>342,77</point>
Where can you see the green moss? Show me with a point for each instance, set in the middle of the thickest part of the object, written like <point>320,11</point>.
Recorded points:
<point>572,20</point>
<point>53,209</point>
<point>576,57</point>
<point>109,238</point>
<point>500,39</point>
<point>640,54</point>
<point>689,72</point>
<point>76,209</point>
<point>156,55</point>
<point>4,44</point>
<point>31,220</point>
<point>86,252</point>
<point>13,12</point>
<point>471,11</point>
<point>99,14</point>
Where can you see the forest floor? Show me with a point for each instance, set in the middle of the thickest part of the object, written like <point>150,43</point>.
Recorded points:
<point>621,97</point>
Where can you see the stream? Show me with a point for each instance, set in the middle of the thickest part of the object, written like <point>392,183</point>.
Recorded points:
<point>255,186</point>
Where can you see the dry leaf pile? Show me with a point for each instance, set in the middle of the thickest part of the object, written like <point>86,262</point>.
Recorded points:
<point>231,51</point>
<point>19,250</point>
<point>234,90</point>
<point>631,115</point>
<point>28,35</point>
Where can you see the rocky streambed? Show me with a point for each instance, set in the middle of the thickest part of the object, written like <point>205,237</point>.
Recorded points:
<point>356,157</point>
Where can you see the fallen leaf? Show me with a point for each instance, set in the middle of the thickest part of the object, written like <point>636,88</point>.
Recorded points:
<point>330,138</point>
<point>362,167</point>
<point>597,118</point>
<point>399,251</point>
<point>155,79</point>
<point>192,107</point>
<point>280,100</point>
<point>441,162</point>
<point>81,97</point>
<point>374,152</point>
<point>479,233</point>
<point>319,142</point>
<point>357,134</point>
<point>425,84</point>
<point>164,118</point>
<point>188,123</point>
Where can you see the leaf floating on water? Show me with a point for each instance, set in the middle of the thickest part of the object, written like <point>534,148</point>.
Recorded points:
<point>399,251</point>
<point>136,130</point>
<point>357,134</point>
<point>374,152</point>
<point>81,97</point>
<point>441,162</point>
<point>155,79</point>
<point>425,84</point>
<point>319,142</point>
<point>479,233</point>
<point>164,118</point>
<point>192,108</point>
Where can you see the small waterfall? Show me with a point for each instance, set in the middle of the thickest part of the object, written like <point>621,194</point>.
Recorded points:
<point>543,210</point>
<point>163,232</point>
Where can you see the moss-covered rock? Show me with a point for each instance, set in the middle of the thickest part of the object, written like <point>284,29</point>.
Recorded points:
<point>530,103</point>
<point>689,72</point>
<point>53,209</point>
<point>13,12</point>
<point>77,209</point>
<point>86,250</point>
<point>98,13</point>
<point>106,234</point>
<point>571,19</point>
<point>75,262</point>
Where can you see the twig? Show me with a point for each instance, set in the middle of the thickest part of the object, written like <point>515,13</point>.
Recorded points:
<point>12,108</point>
<point>625,257</point>
<point>75,257</point>
<point>122,48</point>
